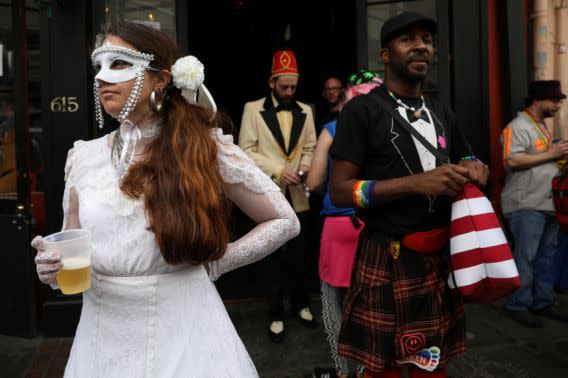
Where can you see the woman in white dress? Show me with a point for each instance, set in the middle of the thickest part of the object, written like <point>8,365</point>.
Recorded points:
<point>156,196</point>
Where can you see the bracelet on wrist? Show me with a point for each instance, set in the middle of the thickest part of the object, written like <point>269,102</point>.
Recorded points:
<point>364,194</point>
<point>470,158</point>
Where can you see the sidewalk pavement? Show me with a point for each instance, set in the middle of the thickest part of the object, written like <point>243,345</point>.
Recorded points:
<point>498,347</point>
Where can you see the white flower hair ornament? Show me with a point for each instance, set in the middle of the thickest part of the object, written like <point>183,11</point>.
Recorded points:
<point>188,74</point>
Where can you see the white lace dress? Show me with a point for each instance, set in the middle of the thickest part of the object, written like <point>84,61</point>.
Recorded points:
<point>143,317</point>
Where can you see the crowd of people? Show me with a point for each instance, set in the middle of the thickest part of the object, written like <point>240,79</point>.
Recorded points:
<point>155,194</point>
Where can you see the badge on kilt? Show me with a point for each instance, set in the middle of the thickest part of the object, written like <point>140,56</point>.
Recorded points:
<point>427,359</point>
<point>395,249</point>
<point>413,346</point>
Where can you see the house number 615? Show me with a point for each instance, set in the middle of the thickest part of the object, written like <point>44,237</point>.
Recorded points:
<point>64,104</point>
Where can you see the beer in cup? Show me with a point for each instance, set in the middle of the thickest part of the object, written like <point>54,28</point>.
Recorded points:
<point>75,249</point>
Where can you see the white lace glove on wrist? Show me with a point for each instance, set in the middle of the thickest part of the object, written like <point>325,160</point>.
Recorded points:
<point>47,263</point>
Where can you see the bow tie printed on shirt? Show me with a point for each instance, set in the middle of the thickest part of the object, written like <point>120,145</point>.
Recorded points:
<point>285,107</point>
<point>413,118</point>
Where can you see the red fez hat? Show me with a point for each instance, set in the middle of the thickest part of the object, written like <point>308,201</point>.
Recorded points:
<point>284,63</point>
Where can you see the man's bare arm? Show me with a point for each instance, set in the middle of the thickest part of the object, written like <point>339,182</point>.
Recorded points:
<point>445,180</point>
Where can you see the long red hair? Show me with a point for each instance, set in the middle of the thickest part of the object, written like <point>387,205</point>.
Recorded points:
<point>179,179</point>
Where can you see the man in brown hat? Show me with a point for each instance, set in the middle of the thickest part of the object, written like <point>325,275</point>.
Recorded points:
<point>278,133</point>
<point>529,155</point>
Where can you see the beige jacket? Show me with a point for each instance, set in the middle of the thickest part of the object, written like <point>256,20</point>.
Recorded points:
<point>261,139</point>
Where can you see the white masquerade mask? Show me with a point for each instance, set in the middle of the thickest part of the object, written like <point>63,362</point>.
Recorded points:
<point>117,68</point>
<point>117,64</point>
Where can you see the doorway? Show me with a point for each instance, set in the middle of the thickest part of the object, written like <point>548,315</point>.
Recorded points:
<point>235,41</point>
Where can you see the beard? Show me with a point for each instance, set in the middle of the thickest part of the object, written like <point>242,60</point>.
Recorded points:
<point>548,113</point>
<point>283,100</point>
<point>402,71</point>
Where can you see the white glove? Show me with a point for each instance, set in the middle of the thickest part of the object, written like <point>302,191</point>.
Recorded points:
<point>47,263</point>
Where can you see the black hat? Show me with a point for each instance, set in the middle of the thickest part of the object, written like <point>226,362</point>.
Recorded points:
<point>396,24</point>
<point>546,90</point>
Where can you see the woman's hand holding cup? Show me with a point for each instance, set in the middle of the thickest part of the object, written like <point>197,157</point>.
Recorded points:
<point>47,263</point>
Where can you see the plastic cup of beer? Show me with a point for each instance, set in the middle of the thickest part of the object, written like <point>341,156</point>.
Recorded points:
<point>75,249</point>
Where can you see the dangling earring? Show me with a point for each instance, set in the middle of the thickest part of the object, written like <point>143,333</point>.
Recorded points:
<point>156,105</point>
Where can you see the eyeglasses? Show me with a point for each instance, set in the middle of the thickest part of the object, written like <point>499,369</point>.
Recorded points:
<point>330,89</point>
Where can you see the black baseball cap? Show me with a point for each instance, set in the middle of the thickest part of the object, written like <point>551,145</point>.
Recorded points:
<point>396,24</point>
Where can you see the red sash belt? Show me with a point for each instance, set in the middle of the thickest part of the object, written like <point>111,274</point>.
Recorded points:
<point>427,242</point>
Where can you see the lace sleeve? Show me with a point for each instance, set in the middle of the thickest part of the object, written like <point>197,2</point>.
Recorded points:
<point>261,199</point>
<point>70,197</point>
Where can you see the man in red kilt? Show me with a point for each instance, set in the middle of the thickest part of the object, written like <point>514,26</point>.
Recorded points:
<point>398,310</point>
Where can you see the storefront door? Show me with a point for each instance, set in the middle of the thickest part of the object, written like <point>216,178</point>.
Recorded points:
<point>21,200</point>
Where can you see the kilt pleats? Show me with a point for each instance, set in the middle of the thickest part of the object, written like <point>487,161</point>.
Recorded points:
<point>398,304</point>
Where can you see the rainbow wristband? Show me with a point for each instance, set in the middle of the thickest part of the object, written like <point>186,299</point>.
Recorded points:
<point>364,194</point>
<point>470,158</point>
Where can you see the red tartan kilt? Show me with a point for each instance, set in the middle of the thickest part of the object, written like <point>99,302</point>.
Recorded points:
<point>392,301</point>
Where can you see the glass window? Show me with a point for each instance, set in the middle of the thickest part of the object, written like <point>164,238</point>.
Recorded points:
<point>34,92</point>
<point>8,143</point>
<point>10,49</point>
<point>7,111</point>
<point>159,13</point>
<point>377,13</point>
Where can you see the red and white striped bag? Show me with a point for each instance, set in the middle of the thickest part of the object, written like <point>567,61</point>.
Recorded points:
<point>483,269</point>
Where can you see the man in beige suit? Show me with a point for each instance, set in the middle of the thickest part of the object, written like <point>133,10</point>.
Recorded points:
<point>278,133</point>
